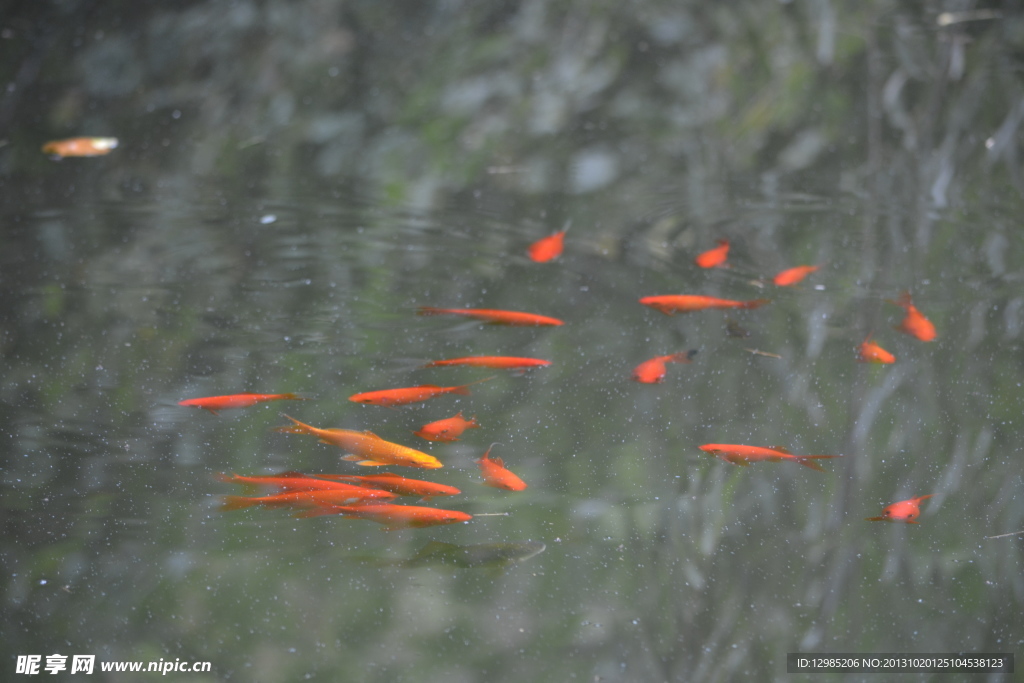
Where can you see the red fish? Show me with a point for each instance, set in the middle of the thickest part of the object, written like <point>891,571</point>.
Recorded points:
<point>653,371</point>
<point>713,257</point>
<point>914,323</point>
<point>286,481</point>
<point>793,275</point>
<point>400,486</point>
<point>215,403</point>
<point>447,429</point>
<point>309,499</point>
<point>493,317</point>
<point>903,511</point>
<point>394,516</point>
<point>871,352</point>
<point>495,474</point>
<point>744,455</point>
<point>685,303</point>
<point>79,147</point>
<point>497,362</point>
<point>406,395</point>
<point>367,448</point>
<point>548,248</point>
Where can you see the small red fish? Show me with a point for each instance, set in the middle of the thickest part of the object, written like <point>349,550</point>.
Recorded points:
<point>309,499</point>
<point>406,395</point>
<point>903,511</point>
<point>400,486</point>
<point>914,323</point>
<point>653,371</point>
<point>496,362</point>
<point>793,275</point>
<point>447,429</point>
<point>215,403</point>
<point>492,316</point>
<point>393,516</point>
<point>871,352</point>
<point>285,481</point>
<point>685,303</point>
<point>744,455</point>
<point>495,474</point>
<point>79,147</point>
<point>548,248</point>
<point>713,257</point>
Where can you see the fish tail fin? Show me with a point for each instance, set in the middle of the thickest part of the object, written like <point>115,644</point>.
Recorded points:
<point>808,461</point>
<point>682,356</point>
<point>876,519</point>
<point>237,503</point>
<point>226,478</point>
<point>464,391</point>
<point>292,396</point>
<point>290,429</point>
<point>430,310</point>
<point>920,498</point>
<point>756,303</point>
<point>903,300</point>
<point>295,428</point>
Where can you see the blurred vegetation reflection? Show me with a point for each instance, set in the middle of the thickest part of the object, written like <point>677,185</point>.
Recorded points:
<point>294,179</point>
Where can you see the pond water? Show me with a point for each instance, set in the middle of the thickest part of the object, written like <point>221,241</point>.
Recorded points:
<point>138,279</point>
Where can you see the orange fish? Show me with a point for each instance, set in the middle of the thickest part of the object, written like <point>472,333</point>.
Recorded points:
<point>744,455</point>
<point>903,511</point>
<point>713,257</point>
<point>793,275</point>
<point>401,486</point>
<point>497,362</point>
<point>914,323</point>
<point>871,352</point>
<point>493,317</point>
<point>367,448</point>
<point>495,474</point>
<point>406,395</point>
<point>684,303</point>
<point>215,403</point>
<point>393,516</point>
<point>548,248</point>
<point>309,499</point>
<point>286,481</point>
<point>447,429</point>
<point>79,147</point>
<point>653,370</point>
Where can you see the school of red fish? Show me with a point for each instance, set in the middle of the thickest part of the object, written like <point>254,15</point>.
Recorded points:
<point>370,497</point>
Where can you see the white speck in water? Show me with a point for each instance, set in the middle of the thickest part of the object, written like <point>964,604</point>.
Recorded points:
<point>268,219</point>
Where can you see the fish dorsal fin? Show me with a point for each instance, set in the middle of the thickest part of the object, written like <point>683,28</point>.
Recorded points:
<point>781,449</point>
<point>367,432</point>
<point>291,474</point>
<point>498,461</point>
